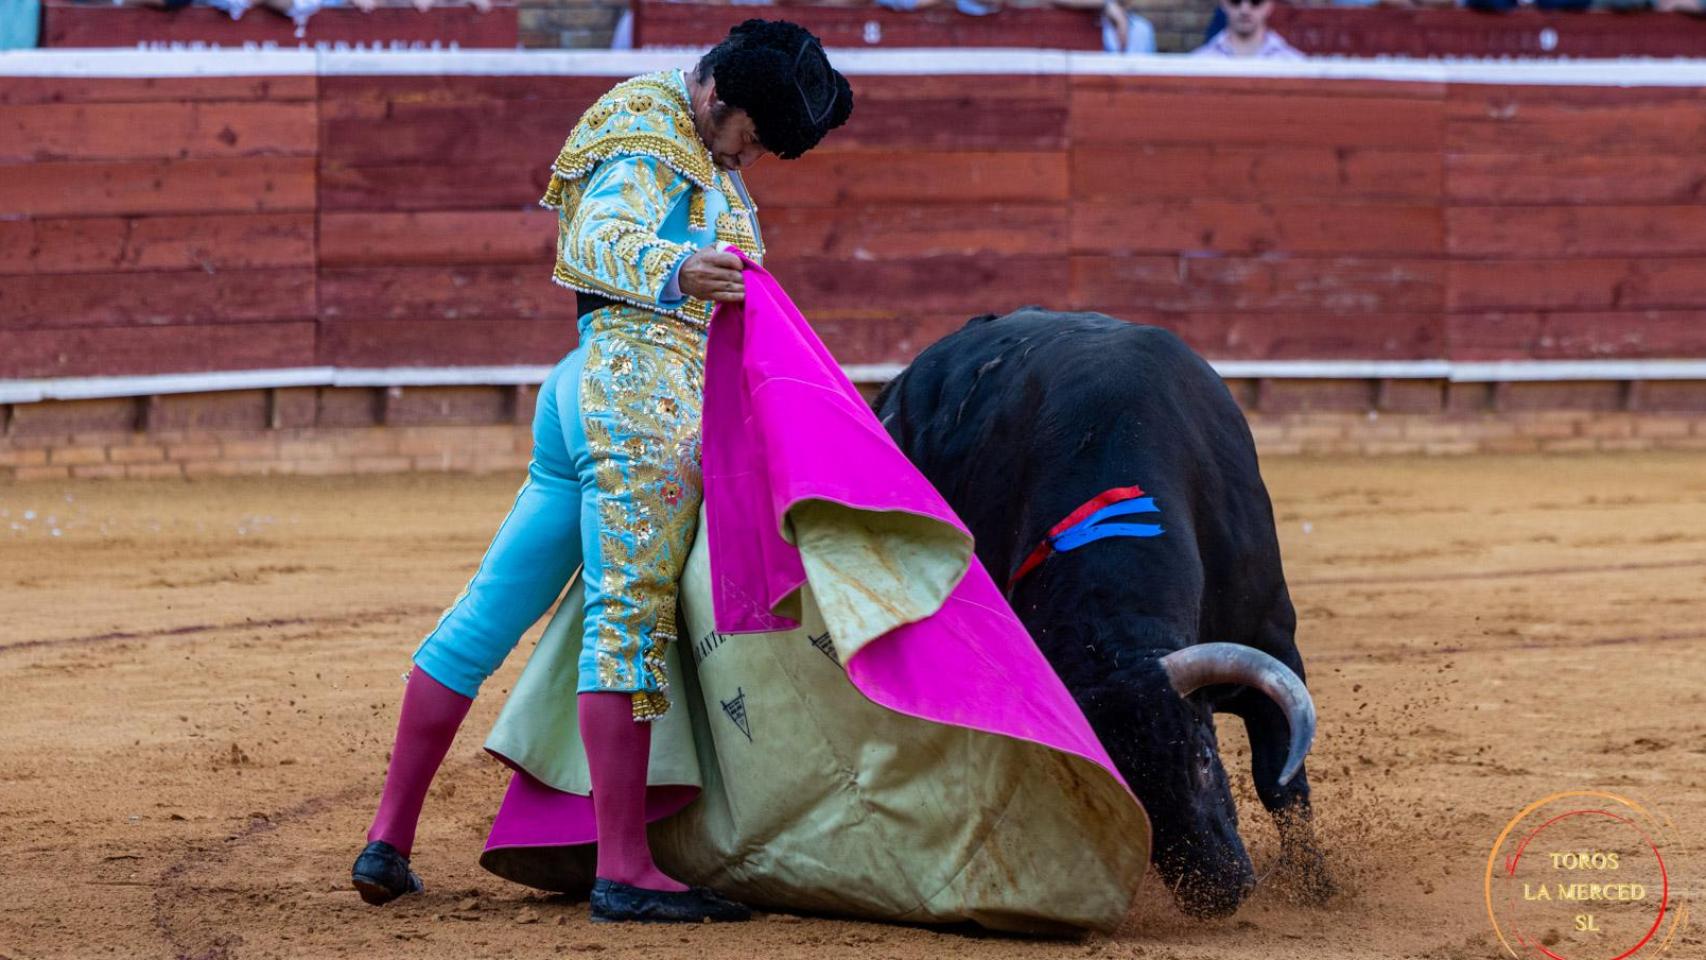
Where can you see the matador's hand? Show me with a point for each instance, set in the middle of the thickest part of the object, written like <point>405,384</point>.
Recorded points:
<point>712,274</point>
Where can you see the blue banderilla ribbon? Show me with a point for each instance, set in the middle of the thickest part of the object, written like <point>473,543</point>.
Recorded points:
<point>1091,528</point>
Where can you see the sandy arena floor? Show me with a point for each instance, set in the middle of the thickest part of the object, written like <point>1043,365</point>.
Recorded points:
<point>198,685</point>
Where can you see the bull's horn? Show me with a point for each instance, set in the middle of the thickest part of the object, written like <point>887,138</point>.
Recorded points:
<point>1196,667</point>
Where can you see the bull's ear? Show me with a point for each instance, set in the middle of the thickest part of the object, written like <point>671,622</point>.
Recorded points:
<point>982,318</point>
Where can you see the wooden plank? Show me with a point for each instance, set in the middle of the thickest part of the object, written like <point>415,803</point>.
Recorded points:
<point>1675,395</point>
<point>102,25</point>
<point>955,113</point>
<point>105,131</point>
<point>495,294</point>
<point>1391,336</point>
<point>516,185</point>
<point>892,336</point>
<point>437,405</point>
<point>920,176</point>
<point>1596,284</point>
<point>377,342</point>
<point>1574,178</point>
<point>913,111</point>
<point>157,299</point>
<point>15,91</point>
<point>1487,120</point>
<point>1333,286</point>
<point>448,238</point>
<point>1469,100</point>
<point>838,289</point>
<point>1135,115</point>
<point>473,132</point>
<point>108,244</point>
<point>1588,335</point>
<point>1243,227</point>
<point>109,188</point>
<point>817,179</point>
<point>1230,172</point>
<point>1586,231</point>
<point>885,231</point>
<point>89,352</point>
<point>379,96</point>
<point>1285,335</point>
<point>1277,87</point>
<point>951,124</point>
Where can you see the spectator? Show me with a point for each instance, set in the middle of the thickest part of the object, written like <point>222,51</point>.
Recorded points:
<point>1124,30</point>
<point>1247,34</point>
<point>622,38</point>
<point>971,8</point>
<point>232,8</point>
<point>301,10</point>
<point>19,20</point>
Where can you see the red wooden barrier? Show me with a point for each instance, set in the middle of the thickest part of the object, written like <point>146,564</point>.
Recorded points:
<point>158,225</point>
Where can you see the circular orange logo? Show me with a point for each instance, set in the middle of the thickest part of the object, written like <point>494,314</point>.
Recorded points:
<point>1582,875</point>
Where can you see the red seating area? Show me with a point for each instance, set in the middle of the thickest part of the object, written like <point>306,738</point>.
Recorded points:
<point>1392,31</point>
<point>662,23</point>
<point>1318,30</point>
<point>66,24</point>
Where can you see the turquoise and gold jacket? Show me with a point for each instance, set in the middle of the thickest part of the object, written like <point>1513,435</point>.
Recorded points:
<point>636,192</point>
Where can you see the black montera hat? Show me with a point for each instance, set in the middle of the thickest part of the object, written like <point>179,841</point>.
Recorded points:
<point>778,73</point>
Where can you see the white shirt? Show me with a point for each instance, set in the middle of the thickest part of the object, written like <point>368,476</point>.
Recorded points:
<point>1273,47</point>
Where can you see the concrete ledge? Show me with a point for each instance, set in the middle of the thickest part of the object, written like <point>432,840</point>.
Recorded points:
<point>448,427</point>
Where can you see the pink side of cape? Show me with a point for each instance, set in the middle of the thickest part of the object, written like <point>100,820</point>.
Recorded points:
<point>782,424</point>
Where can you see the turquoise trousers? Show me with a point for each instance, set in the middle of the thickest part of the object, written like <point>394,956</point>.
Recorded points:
<point>613,488</point>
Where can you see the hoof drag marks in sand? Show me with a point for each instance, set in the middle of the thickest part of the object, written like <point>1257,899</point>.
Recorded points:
<point>201,681</point>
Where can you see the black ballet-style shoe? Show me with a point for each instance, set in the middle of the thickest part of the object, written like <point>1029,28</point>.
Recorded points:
<point>614,902</point>
<point>381,874</point>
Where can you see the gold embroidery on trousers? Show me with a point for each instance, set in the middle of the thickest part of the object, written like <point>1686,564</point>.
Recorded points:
<point>641,390</point>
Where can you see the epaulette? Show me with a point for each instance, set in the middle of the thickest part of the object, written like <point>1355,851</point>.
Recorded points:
<point>646,116</point>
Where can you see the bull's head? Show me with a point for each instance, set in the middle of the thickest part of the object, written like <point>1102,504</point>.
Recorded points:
<point>1174,765</point>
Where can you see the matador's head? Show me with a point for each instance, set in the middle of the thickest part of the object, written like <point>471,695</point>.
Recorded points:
<point>767,88</point>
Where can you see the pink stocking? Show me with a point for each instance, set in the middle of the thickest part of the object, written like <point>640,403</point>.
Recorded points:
<point>618,750</point>
<point>431,713</point>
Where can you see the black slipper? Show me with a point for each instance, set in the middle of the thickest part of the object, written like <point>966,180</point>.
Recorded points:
<point>614,902</point>
<point>381,874</point>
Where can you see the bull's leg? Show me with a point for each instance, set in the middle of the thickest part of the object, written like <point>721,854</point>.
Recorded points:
<point>1302,863</point>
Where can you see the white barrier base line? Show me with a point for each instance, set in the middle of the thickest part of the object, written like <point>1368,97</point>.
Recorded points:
<point>312,61</point>
<point>1525,371</point>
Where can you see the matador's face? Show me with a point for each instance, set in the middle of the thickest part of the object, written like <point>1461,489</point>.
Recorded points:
<point>729,133</point>
<point>733,139</point>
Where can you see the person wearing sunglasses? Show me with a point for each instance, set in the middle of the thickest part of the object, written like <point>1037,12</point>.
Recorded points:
<point>1247,34</point>
<point>649,203</point>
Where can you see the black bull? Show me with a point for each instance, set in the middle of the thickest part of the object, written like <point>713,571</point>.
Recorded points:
<point>1019,420</point>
